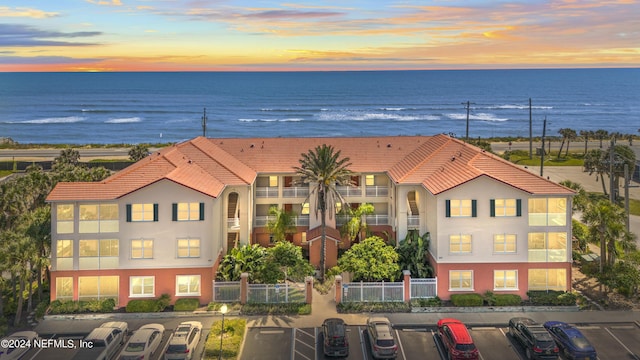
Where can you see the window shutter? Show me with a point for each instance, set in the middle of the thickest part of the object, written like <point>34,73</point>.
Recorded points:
<point>518,207</point>
<point>474,208</point>
<point>174,212</point>
<point>492,207</point>
<point>201,211</point>
<point>447,208</point>
<point>128,212</point>
<point>155,212</point>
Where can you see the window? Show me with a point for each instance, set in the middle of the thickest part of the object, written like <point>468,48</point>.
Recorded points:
<point>505,280</point>
<point>305,209</point>
<point>98,254</point>
<point>64,255</point>
<point>547,247</point>
<point>460,244</point>
<point>273,181</point>
<point>548,279</point>
<point>187,285</point>
<point>460,208</point>
<point>460,280</point>
<point>64,218</point>
<point>188,211</point>
<point>504,243</point>
<point>188,248</point>
<point>142,249</point>
<point>548,212</point>
<point>142,212</point>
<point>369,180</point>
<point>98,218</point>
<point>98,287</point>
<point>506,207</point>
<point>303,236</point>
<point>142,286</point>
<point>64,288</point>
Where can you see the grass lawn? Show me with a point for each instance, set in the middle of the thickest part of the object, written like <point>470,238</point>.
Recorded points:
<point>548,161</point>
<point>231,340</point>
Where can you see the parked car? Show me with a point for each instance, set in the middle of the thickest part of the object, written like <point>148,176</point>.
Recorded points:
<point>143,343</point>
<point>535,339</point>
<point>572,343</point>
<point>456,340</point>
<point>383,345</point>
<point>335,343</point>
<point>183,341</point>
<point>17,344</point>
<point>105,341</point>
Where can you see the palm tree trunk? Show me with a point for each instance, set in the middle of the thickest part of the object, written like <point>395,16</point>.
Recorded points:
<point>30,293</point>
<point>323,244</point>
<point>566,154</point>
<point>16,321</point>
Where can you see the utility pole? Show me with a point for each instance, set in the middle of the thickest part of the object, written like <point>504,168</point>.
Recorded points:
<point>204,123</point>
<point>530,133</point>
<point>626,194</point>
<point>612,195</point>
<point>544,131</point>
<point>467,104</point>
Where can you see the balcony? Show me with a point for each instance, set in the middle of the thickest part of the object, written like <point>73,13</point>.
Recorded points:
<point>377,191</point>
<point>377,219</point>
<point>294,192</point>
<point>233,223</point>
<point>267,192</point>
<point>300,220</point>
<point>413,222</point>
<point>349,190</point>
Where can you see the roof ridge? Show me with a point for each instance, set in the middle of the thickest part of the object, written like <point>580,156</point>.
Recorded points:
<point>424,159</point>
<point>200,142</point>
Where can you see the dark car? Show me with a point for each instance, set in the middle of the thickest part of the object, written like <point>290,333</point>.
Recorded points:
<point>535,339</point>
<point>571,342</point>
<point>334,332</point>
<point>380,332</point>
<point>456,339</point>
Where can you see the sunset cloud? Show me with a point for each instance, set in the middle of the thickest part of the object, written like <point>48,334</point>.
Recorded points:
<point>25,12</point>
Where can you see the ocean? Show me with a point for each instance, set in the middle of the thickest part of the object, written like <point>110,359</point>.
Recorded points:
<point>143,107</point>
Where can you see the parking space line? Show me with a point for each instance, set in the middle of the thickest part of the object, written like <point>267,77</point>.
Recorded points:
<point>304,332</point>
<point>315,342</point>
<point>293,343</point>
<point>400,345</point>
<point>622,344</point>
<point>40,349</point>
<point>364,350</point>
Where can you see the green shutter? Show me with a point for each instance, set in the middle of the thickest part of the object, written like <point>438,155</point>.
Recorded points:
<point>474,208</point>
<point>201,211</point>
<point>447,208</point>
<point>174,212</point>
<point>128,212</point>
<point>518,207</point>
<point>492,207</point>
<point>155,212</point>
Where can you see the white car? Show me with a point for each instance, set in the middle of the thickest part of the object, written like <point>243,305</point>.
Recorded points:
<point>18,344</point>
<point>143,343</point>
<point>184,341</point>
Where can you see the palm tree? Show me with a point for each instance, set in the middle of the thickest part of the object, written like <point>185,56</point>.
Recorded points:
<point>566,134</point>
<point>138,152</point>
<point>354,226</point>
<point>586,134</point>
<point>581,200</point>
<point>606,222</point>
<point>323,169</point>
<point>283,223</point>
<point>601,135</point>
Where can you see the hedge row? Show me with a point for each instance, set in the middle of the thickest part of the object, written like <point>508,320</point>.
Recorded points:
<point>77,307</point>
<point>186,304</point>
<point>551,298</point>
<point>149,305</point>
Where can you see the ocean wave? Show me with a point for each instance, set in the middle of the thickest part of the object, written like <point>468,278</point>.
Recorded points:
<point>55,120</point>
<point>478,116</point>
<point>374,116</point>
<point>123,120</point>
<point>518,107</point>
<point>393,109</point>
<point>271,120</point>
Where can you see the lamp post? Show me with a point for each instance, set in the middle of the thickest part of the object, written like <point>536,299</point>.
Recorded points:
<point>223,310</point>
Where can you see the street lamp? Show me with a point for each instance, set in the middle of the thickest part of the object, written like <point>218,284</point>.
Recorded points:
<point>223,310</point>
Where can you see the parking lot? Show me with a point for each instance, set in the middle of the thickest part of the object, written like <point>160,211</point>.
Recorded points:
<point>78,329</point>
<point>613,341</point>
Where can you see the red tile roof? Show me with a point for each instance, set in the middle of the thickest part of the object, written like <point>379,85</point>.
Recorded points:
<point>439,163</point>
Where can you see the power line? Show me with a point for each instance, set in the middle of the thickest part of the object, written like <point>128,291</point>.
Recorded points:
<point>468,105</point>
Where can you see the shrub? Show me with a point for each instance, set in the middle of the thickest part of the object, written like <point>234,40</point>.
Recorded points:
<point>186,305</point>
<point>148,305</point>
<point>276,309</point>
<point>551,297</point>
<point>373,307</point>
<point>507,300</point>
<point>467,300</point>
<point>214,306</point>
<point>430,302</point>
<point>75,307</point>
<point>41,308</point>
<point>163,301</point>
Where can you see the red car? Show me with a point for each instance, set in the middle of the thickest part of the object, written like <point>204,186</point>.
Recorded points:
<point>457,341</point>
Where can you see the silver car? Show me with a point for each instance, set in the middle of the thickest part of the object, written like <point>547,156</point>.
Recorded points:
<point>143,343</point>
<point>184,341</point>
<point>383,345</point>
<point>17,344</point>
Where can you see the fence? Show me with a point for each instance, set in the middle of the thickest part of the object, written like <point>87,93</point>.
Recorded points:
<point>226,291</point>
<point>373,292</point>
<point>276,293</point>
<point>424,288</point>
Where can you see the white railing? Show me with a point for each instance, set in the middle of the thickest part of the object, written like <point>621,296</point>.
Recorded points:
<point>296,191</point>
<point>263,220</point>
<point>377,219</point>
<point>267,192</point>
<point>349,190</point>
<point>377,191</point>
<point>424,288</point>
<point>276,293</point>
<point>302,220</point>
<point>413,221</point>
<point>233,223</point>
<point>373,292</point>
<point>342,219</point>
<point>226,291</point>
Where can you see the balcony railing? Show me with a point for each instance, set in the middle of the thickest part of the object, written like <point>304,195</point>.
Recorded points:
<point>267,192</point>
<point>413,221</point>
<point>296,191</point>
<point>377,191</point>
<point>263,220</point>
<point>349,190</point>
<point>341,219</point>
<point>300,220</point>
<point>233,223</point>
<point>377,219</point>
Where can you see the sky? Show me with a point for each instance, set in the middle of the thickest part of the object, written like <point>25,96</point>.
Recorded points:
<point>316,35</point>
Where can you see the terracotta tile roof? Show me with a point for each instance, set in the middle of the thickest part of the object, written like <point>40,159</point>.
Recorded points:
<point>439,163</point>
<point>316,234</point>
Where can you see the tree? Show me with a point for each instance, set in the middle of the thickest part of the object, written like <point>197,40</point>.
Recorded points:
<point>413,252</point>
<point>598,161</point>
<point>371,260</point>
<point>606,223</point>
<point>37,226</point>
<point>67,156</point>
<point>324,170</point>
<point>601,135</point>
<point>354,227</point>
<point>586,134</point>
<point>248,258</point>
<point>567,135</point>
<point>18,258</point>
<point>282,224</point>
<point>289,259</point>
<point>581,200</point>
<point>138,152</point>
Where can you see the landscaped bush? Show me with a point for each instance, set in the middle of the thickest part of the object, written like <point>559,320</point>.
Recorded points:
<point>430,302</point>
<point>75,307</point>
<point>507,300</point>
<point>186,305</point>
<point>276,309</point>
<point>214,306</point>
<point>551,298</point>
<point>467,300</point>
<point>148,305</point>
<point>231,339</point>
<point>373,307</point>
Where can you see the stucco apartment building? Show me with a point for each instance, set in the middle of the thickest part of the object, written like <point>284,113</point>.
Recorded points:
<point>163,224</point>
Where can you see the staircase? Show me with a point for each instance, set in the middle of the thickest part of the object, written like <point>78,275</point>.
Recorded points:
<point>413,205</point>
